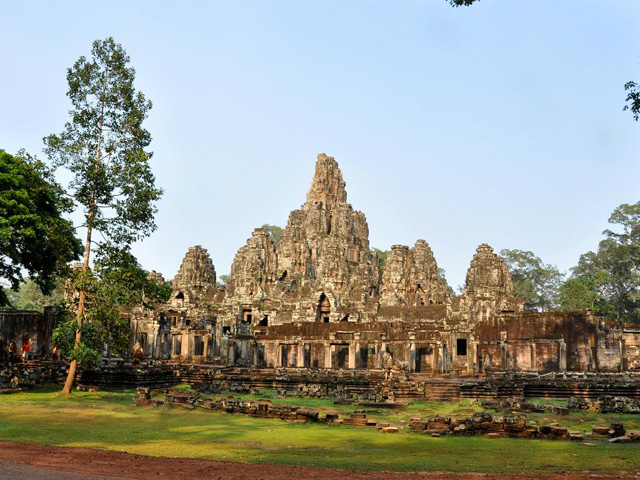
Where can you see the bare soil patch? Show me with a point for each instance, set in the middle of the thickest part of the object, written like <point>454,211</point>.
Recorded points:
<point>122,465</point>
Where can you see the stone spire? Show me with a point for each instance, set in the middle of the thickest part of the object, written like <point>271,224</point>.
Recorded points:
<point>196,275</point>
<point>322,258</point>
<point>327,186</point>
<point>488,286</point>
<point>410,277</point>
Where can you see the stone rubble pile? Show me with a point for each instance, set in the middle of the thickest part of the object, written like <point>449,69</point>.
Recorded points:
<point>480,423</point>
<point>605,404</point>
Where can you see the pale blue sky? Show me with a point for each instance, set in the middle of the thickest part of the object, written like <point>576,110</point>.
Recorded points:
<point>498,123</point>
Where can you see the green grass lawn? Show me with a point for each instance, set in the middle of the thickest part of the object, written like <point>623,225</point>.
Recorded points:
<point>109,420</point>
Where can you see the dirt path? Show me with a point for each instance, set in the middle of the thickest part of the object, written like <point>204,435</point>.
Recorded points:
<point>21,460</point>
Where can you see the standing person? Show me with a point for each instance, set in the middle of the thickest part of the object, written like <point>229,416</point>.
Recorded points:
<point>26,348</point>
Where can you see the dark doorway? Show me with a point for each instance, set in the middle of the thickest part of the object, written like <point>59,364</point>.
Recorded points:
<point>307,356</point>
<point>284,359</point>
<point>461,347</point>
<point>198,346</point>
<point>423,355</point>
<point>343,357</point>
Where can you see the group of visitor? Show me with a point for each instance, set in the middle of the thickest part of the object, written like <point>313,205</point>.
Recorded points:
<point>11,351</point>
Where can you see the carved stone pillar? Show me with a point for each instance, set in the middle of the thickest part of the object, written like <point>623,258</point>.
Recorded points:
<point>562,353</point>
<point>300,362</point>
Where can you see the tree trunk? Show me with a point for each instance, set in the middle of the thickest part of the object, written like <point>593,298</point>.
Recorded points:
<point>68,384</point>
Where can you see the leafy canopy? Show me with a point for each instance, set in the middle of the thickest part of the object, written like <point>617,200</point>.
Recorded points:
<point>275,232</point>
<point>534,281</point>
<point>608,280</point>
<point>34,235</point>
<point>103,146</point>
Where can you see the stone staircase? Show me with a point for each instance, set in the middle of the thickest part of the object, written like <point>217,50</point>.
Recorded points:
<point>442,390</point>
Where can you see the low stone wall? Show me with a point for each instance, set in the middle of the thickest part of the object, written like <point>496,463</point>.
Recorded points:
<point>28,375</point>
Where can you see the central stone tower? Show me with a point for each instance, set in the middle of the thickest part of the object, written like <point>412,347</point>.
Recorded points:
<point>321,270</point>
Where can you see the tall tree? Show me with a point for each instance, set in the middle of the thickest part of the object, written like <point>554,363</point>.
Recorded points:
<point>608,280</point>
<point>585,287</point>
<point>103,146</point>
<point>533,280</point>
<point>34,235</point>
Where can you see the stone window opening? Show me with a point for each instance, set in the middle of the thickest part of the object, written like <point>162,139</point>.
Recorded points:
<point>323,310</point>
<point>461,347</point>
<point>180,296</point>
<point>264,322</point>
<point>284,276</point>
<point>246,315</point>
<point>345,318</point>
<point>198,345</point>
<point>329,225</point>
<point>226,330</point>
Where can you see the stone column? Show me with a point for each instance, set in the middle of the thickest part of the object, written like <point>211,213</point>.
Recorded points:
<point>623,356</point>
<point>436,357</point>
<point>206,347</point>
<point>327,355</point>
<point>503,356</point>
<point>300,362</point>
<point>254,354</point>
<point>471,356</point>
<point>562,351</point>
<point>383,348</point>
<point>352,355</point>
<point>354,359</point>
<point>232,352</point>
<point>412,351</point>
<point>476,357</point>
<point>533,356</point>
<point>186,347</point>
<point>332,356</point>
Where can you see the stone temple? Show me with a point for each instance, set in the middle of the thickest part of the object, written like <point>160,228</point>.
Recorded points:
<point>319,298</point>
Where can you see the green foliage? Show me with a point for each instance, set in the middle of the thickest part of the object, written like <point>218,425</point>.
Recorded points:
<point>34,236</point>
<point>87,351</point>
<point>382,258</point>
<point>460,3</point>
<point>116,283</point>
<point>224,279</point>
<point>608,280</point>
<point>103,146</point>
<point>275,232</point>
<point>443,276</point>
<point>534,281</point>
<point>30,297</point>
<point>633,99</point>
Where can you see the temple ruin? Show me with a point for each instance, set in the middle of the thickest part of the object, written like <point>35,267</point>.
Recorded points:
<point>318,299</point>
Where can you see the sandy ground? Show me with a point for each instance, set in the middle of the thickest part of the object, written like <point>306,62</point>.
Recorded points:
<point>37,462</point>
